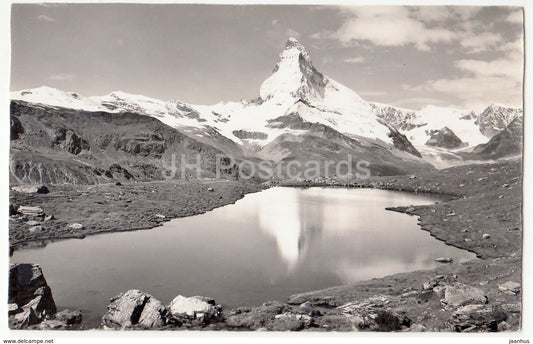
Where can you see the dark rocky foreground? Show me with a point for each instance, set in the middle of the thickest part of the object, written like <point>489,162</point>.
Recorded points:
<point>483,215</point>
<point>31,304</point>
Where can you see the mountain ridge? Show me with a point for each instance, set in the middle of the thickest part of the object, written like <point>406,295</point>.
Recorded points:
<point>295,88</point>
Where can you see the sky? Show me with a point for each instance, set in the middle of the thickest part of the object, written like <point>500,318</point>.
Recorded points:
<point>407,56</point>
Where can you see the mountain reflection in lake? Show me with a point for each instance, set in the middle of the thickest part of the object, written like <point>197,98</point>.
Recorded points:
<point>266,246</point>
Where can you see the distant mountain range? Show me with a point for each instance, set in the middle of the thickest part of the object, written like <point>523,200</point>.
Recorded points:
<point>300,114</point>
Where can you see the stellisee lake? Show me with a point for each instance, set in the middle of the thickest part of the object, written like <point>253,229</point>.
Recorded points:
<point>267,246</point>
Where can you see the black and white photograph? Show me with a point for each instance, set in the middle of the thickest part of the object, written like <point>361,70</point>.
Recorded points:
<point>178,168</point>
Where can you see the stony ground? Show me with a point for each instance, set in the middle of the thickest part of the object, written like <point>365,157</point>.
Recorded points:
<point>112,208</point>
<point>483,216</point>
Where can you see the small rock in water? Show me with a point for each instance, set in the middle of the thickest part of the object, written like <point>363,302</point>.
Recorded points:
<point>118,184</point>
<point>486,236</point>
<point>161,216</point>
<point>49,218</point>
<point>444,260</point>
<point>210,189</point>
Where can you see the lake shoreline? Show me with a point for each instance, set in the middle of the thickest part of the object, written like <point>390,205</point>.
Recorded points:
<point>477,206</point>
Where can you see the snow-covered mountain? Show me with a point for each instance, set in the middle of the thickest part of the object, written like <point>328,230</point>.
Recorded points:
<point>295,92</point>
<point>472,128</point>
<point>495,118</point>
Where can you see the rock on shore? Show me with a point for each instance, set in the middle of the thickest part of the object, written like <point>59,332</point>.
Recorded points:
<point>31,303</point>
<point>135,308</point>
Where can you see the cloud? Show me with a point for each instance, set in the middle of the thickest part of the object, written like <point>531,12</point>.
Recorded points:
<point>484,81</point>
<point>515,17</point>
<point>475,43</point>
<point>444,13</point>
<point>389,26</point>
<point>420,26</point>
<point>292,33</point>
<point>61,77</point>
<point>357,59</point>
<point>46,18</point>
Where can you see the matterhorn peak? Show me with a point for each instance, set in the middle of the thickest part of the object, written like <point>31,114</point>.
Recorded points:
<point>294,76</point>
<point>293,43</point>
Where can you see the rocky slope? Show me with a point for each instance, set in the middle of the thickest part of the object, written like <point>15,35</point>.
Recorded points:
<point>495,118</point>
<point>59,145</point>
<point>507,143</point>
<point>444,138</point>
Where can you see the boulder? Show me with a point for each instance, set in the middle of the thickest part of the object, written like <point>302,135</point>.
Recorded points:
<point>290,322</point>
<point>510,287</point>
<point>36,229</point>
<point>52,325</point>
<point>24,319</point>
<point>195,307</point>
<point>154,314</point>
<point>28,285</point>
<point>476,318</point>
<point>76,226</point>
<point>458,294</point>
<point>38,189</point>
<point>69,317</point>
<point>31,211</point>
<point>135,307</point>
<point>13,309</point>
<point>334,322</point>
<point>372,314</point>
<point>31,294</point>
<point>257,317</point>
